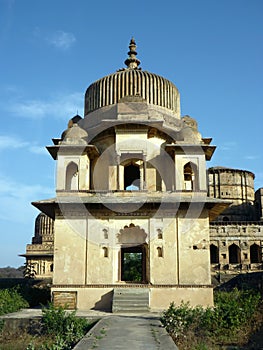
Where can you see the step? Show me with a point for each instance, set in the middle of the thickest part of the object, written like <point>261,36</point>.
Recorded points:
<point>129,310</point>
<point>130,300</point>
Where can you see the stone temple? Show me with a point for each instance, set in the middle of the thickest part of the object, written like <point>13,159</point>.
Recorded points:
<point>136,213</point>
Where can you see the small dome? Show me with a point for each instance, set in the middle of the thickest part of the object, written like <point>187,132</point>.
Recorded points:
<point>74,134</point>
<point>132,81</point>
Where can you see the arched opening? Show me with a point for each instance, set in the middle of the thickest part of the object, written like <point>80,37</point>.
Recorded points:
<point>160,233</point>
<point>214,254</point>
<point>105,233</point>
<point>133,264</point>
<point>225,219</point>
<point>160,252</point>
<point>255,254</point>
<point>72,177</point>
<point>105,252</point>
<point>234,254</point>
<point>132,177</point>
<point>190,177</point>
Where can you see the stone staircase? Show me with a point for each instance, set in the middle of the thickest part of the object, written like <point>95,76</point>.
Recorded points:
<point>130,300</point>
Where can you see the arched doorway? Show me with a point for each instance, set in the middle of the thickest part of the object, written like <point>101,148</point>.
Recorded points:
<point>133,264</point>
<point>255,254</point>
<point>234,254</point>
<point>214,254</point>
<point>133,254</point>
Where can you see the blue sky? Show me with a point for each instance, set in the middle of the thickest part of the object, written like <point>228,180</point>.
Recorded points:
<point>52,50</point>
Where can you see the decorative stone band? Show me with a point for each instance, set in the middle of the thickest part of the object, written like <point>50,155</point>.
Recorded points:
<point>131,285</point>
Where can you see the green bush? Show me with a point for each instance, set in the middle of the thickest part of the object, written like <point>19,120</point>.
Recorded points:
<point>11,301</point>
<point>235,308</point>
<point>64,326</point>
<point>233,311</point>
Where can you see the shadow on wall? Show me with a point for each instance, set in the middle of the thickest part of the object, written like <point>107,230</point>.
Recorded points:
<point>105,303</point>
<point>242,212</point>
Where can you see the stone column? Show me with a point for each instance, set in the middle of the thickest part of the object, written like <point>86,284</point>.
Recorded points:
<point>144,173</point>
<point>118,171</point>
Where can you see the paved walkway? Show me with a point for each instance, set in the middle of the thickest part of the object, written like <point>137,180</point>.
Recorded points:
<point>127,332</point>
<point>116,331</point>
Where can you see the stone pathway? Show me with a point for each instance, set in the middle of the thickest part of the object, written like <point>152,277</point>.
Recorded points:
<point>114,331</point>
<point>127,332</point>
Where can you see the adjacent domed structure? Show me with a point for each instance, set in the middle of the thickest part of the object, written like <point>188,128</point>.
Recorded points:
<point>44,229</point>
<point>132,81</point>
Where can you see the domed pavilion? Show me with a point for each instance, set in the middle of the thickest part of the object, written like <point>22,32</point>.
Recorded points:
<point>131,213</point>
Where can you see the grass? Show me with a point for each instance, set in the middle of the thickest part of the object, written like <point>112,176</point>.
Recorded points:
<point>21,340</point>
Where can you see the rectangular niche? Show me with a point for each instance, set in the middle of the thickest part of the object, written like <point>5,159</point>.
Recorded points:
<point>65,299</point>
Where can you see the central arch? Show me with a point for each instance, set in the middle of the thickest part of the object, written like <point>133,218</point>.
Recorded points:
<point>133,254</point>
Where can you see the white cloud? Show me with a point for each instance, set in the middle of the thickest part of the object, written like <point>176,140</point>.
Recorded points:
<point>7,141</point>
<point>61,40</point>
<point>61,106</point>
<point>227,146</point>
<point>13,142</point>
<point>16,198</point>
<point>252,157</point>
<point>38,150</point>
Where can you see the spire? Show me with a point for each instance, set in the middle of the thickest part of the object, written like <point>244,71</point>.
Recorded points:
<point>132,61</point>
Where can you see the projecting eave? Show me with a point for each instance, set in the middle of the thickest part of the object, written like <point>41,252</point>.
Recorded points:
<point>91,150</point>
<point>190,149</point>
<point>166,201</point>
<point>46,206</point>
<point>32,255</point>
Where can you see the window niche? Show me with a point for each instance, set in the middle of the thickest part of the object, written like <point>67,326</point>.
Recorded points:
<point>72,177</point>
<point>105,252</point>
<point>160,252</point>
<point>159,233</point>
<point>105,233</point>
<point>190,177</point>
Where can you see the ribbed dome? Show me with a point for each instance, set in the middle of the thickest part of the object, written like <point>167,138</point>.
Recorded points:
<point>132,81</point>
<point>44,228</point>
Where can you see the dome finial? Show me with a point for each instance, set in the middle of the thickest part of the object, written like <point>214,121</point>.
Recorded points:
<point>132,61</point>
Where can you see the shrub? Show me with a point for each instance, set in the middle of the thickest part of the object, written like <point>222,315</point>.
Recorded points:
<point>64,326</point>
<point>11,301</point>
<point>233,311</point>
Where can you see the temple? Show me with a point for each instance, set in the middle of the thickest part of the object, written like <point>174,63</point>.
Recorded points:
<point>134,203</point>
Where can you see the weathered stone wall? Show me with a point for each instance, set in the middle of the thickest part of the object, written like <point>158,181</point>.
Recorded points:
<point>236,186</point>
<point>259,203</point>
<point>236,246</point>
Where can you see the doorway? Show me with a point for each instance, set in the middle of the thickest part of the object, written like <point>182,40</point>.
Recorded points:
<point>133,263</point>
